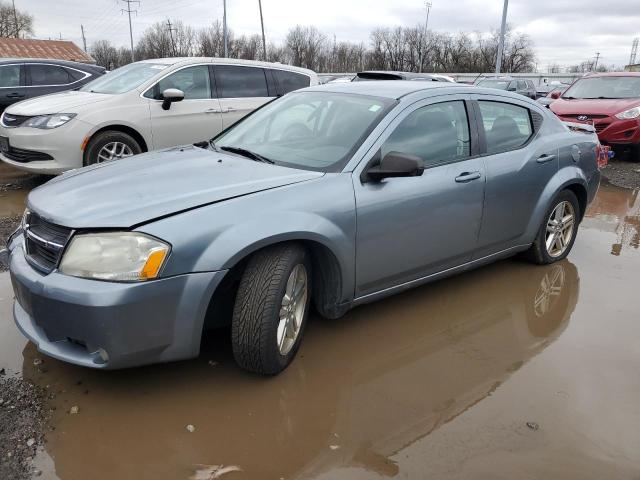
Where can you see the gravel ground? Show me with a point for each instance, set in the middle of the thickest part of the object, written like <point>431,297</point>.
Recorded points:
<point>623,174</point>
<point>22,422</point>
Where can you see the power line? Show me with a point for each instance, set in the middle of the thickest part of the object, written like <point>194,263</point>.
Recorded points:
<point>129,11</point>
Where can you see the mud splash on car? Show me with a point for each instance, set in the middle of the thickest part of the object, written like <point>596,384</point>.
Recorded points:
<point>508,371</point>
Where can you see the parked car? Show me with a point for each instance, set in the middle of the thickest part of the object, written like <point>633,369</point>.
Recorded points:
<point>140,107</point>
<point>545,88</point>
<point>23,78</point>
<point>611,102</point>
<point>338,194</point>
<point>389,75</point>
<point>552,95</point>
<point>519,85</point>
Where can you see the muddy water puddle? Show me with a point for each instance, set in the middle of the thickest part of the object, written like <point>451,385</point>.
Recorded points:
<point>12,202</point>
<point>509,371</point>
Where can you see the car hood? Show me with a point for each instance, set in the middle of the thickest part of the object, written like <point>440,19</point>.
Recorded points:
<point>593,106</point>
<point>136,190</point>
<point>63,102</point>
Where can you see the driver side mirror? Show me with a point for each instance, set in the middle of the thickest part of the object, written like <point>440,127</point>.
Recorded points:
<point>394,164</point>
<point>171,95</point>
<point>511,88</point>
<point>555,94</point>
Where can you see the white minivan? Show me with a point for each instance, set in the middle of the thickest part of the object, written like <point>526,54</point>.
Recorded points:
<point>142,106</point>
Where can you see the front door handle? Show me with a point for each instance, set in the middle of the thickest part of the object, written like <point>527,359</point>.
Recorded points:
<point>15,95</point>
<point>467,177</point>
<point>547,157</point>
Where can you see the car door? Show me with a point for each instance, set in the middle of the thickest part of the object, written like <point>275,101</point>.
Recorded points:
<point>11,84</point>
<point>194,119</point>
<point>241,89</point>
<point>411,227</point>
<point>519,164</point>
<point>44,78</point>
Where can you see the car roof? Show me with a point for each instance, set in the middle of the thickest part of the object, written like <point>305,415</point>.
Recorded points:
<point>612,74</point>
<point>385,88</point>
<point>229,61</point>
<point>51,61</point>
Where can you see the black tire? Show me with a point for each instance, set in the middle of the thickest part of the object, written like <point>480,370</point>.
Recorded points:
<point>538,253</point>
<point>256,312</point>
<point>634,154</point>
<point>103,138</point>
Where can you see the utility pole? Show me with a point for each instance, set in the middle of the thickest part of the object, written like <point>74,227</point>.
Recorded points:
<point>129,11</point>
<point>264,42</point>
<point>224,29</point>
<point>426,29</point>
<point>15,19</point>
<point>595,66</point>
<point>171,30</point>
<point>84,40</point>
<point>502,32</point>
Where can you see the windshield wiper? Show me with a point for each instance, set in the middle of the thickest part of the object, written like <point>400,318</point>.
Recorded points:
<point>569,98</point>
<point>248,153</point>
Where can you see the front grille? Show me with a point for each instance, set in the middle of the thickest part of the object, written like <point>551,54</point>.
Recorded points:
<point>25,156</point>
<point>12,121</point>
<point>600,126</point>
<point>44,242</point>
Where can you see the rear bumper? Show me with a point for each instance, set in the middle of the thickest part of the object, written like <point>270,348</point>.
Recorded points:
<point>77,320</point>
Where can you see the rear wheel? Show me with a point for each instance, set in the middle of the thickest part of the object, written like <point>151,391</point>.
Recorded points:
<point>110,145</point>
<point>271,309</point>
<point>558,231</point>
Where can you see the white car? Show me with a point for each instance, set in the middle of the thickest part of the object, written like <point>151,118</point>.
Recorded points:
<point>142,106</point>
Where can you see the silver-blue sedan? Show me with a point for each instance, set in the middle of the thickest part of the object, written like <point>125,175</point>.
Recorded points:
<point>337,195</point>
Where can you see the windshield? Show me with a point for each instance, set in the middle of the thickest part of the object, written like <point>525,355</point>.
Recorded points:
<point>309,130</point>
<point>501,84</point>
<point>124,78</point>
<point>605,87</point>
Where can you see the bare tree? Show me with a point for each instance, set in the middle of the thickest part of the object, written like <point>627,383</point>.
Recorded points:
<point>18,25</point>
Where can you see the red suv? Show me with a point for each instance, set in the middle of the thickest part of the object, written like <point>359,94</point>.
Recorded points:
<point>611,101</point>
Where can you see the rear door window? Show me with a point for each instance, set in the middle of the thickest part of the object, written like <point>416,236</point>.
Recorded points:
<point>506,126</point>
<point>436,133</point>
<point>42,75</point>
<point>290,81</point>
<point>235,81</point>
<point>10,75</point>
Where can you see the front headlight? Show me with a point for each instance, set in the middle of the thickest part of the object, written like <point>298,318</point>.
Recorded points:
<point>629,114</point>
<point>114,256</point>
<point>49,121</point>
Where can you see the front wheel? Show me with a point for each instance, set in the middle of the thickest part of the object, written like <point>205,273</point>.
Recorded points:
<point>271,309</point>
<point>558,231</point>
<point>110,145</point>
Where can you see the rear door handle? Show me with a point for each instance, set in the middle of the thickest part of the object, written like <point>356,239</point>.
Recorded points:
<point>15,95</point>
<point>230,109</point>
<point>467,177</point>
<point>213,110</point>
<point>546,158</point>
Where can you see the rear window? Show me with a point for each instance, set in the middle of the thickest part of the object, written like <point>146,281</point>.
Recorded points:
<point>48,75</point>
<point>290,81</point>
<point>236,81</point>
<point>506,126</point>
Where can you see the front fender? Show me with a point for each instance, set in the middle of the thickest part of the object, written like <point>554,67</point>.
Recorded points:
<point>566,176</point>
<point>218,236</point>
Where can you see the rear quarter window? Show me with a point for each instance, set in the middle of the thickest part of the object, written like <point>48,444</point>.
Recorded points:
<point>506,126</point>
<point>290,81</point>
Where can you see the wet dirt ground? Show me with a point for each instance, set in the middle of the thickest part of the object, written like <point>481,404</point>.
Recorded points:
<point>511,371</point>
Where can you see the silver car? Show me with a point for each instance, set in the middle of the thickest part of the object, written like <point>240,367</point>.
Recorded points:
<point>335,195</point>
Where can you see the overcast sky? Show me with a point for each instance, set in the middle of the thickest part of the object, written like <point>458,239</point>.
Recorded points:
<point>564,31</point>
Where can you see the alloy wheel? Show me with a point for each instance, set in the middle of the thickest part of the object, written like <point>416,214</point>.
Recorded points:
<point>560,227</point>
<point>114,151</point>
<point>292,309</point>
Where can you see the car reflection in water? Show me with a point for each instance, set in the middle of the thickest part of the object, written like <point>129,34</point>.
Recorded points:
<point>370,384</point>
<point>618,210</point>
